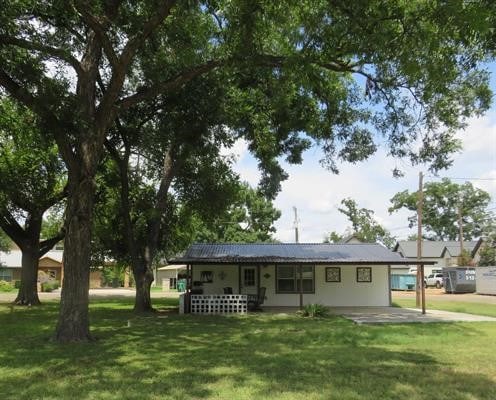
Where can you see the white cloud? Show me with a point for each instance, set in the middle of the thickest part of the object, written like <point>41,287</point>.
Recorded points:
<point>238,150</point>
<point>317,193</point>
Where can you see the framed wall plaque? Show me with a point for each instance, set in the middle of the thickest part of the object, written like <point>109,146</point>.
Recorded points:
<point>333,274</point>
<point>364,274</point>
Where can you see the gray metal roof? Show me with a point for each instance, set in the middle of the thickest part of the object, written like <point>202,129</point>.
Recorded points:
<point>431,248</point>
<point>311,253</point>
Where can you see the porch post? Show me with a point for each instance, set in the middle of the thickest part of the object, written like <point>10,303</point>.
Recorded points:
<point>389,286</point>
<point>423,287</point>
<point>189,277</point>
<point>300,269</point>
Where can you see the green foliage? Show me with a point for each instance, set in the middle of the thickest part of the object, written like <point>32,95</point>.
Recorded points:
<point>442,201</point>
<point>113,275</point>
<point>249,219</point>
<point>364,227</point>
<point>465,258</point>
<point>314,311</point>
<point>488,251</point>
<point>31,170</point>
<point>50,286</point>
<point>53,221</point>
<point>4,241</point>
<point>6,287</point>
<point>350,78</point>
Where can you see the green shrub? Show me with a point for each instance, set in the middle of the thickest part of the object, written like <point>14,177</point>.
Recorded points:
<point>314,310</point>
<point>6,286</point>
<point>17,284</point>
<point>50,286</point>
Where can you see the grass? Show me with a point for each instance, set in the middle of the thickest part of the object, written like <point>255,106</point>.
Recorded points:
<point>456,306</point>
<point>259,356</point>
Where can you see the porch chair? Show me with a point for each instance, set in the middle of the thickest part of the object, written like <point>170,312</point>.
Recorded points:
<point>255,301</point>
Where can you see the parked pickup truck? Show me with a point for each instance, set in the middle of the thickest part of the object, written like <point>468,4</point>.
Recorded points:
<point>435,279</point>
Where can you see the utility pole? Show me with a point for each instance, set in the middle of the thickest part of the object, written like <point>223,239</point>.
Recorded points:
<point>296,223</point>
<point>420,203</point>
<point>460,227</point>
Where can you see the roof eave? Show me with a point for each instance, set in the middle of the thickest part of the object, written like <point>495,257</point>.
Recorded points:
<point>296,261</point>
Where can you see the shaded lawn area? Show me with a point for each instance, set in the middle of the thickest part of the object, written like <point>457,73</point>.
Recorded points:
<point>262,356</point>
<point>456,306</point>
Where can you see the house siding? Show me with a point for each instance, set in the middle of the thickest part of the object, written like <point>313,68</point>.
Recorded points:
<point>231,278</point>
<point>348,292</point>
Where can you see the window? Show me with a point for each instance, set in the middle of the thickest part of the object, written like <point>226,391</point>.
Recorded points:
<point>364,274</point>
<point>249,277</point>
<point>288,278</point>
<point>5,274</point>
<point>333,274</point>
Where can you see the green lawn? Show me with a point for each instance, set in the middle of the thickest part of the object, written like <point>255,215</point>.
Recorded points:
<point>456,306</point>
<point>263,356</point>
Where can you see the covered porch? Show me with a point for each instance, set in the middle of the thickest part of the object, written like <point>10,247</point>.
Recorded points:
<point>238,277</point>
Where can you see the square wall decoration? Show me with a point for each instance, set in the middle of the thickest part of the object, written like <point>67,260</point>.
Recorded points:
<point>364,274</point>
<point>333,274</point>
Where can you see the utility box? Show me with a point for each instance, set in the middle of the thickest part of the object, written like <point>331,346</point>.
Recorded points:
<point>403,282</point>
<point>459,279</point>
<point>485,280</point>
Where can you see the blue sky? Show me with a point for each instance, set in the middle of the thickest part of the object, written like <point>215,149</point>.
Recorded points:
<point>317,192</point>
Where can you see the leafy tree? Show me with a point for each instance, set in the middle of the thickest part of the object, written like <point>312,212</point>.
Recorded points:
<point>294,68</point>
<point>442,201</point>
<point>33,179</point>
<point>488,252</point>
<point>364,226</point>
<point>53,221</point>
<point>4,241</point>
<point>249,219</point>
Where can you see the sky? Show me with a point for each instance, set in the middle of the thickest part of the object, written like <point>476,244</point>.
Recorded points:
<point>317,193</point>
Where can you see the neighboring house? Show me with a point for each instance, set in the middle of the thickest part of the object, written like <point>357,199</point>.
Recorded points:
<point>477,249</point>
<point>168,276</point>
<point>50,263</point>
<point>329,274</point>
<point>441,253</point>
<point>351,239</point>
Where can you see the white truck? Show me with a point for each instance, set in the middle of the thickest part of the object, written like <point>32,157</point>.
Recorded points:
<point>435,279</point>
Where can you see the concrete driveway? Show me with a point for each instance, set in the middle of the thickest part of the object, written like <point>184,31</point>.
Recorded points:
<point>394,315</point>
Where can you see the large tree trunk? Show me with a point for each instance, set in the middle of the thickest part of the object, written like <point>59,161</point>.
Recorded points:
<point>30,247</point>
<point>143,277</point>
<point>73,323</point>
<point>28,292</point>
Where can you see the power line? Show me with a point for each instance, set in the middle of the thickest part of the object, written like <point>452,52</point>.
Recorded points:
<point>463,179</point>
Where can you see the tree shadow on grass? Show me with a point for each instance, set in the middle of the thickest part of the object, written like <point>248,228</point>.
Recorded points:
<point>253,357</point>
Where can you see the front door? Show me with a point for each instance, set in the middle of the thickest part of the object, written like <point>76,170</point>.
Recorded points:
<point>248,279</point>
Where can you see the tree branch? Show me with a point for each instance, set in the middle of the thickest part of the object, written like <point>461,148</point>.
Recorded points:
<point>12,228</point>
<point>54,52</point>
<point>122,64</point>
<point>172,84</point>
<point>133,44</point>
<point>100,31</point>
<point>47,245</point>
<point>38,106</point>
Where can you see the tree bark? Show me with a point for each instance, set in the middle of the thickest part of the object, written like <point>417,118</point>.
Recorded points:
<point>73,323</point>
<point>143,277</point>
<point>28,292</point>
